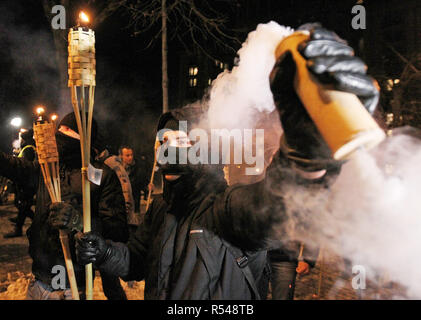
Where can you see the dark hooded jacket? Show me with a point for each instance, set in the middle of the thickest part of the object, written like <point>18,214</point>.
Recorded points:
<point>216,246</point>
<point>107,208</point>
<point>211,248</point>
<point>25,192</point>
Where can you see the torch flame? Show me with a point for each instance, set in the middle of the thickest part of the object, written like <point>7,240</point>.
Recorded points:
<point>40,110</point>
<point>83,17</point>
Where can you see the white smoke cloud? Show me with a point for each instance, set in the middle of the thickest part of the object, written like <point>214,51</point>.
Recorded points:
<point>237,95</point>
<point>371,215</point>
<point>377,196</point>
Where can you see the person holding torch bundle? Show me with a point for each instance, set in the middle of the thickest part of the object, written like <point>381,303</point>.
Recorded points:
<point>108,214</point>
<point>204,240</point>
<point>24,197</point>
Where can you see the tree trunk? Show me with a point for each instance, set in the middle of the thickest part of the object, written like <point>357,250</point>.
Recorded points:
<point>164,58</point>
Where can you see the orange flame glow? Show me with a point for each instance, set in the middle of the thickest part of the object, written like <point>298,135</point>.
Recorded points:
<point>54,117</point>
<point>40,110</point>
<point>83,17</point>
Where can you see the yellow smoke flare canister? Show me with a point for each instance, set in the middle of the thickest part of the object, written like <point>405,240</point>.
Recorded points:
<point>341,118</point>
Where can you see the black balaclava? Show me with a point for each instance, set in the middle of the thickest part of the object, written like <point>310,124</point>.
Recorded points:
<point>177,192</point>
<point>195,181</point>
<point>68,147</point>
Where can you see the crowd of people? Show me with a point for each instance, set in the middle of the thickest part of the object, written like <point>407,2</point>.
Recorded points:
<point>201,238</point>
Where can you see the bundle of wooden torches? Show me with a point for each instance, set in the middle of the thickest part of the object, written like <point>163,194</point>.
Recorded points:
<point>44,135</point>
<point>81,63</point>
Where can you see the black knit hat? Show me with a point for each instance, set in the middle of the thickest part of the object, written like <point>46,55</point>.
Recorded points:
<point>28,137</point>
<point>168,121</point>
<point>191,114</point>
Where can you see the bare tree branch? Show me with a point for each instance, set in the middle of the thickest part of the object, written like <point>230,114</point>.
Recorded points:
<point>105,11</point>
<point>406,61</point>
<point>187,22</point>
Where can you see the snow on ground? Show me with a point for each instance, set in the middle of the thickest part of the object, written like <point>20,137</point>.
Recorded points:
<point>17,289</point>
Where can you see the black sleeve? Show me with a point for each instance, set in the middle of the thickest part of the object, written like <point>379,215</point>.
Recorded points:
<point>111,208</point>
<point>246,214</point>
<point>19,170</point>
<point>118,260</point>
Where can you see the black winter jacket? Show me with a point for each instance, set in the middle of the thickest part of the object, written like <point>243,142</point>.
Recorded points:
<point>107,209</point>
<point>192,257</point>
<point>202,255</point>
<point>24,196</point>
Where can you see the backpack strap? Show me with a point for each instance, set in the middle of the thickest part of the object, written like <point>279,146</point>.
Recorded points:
<point>242,261</point>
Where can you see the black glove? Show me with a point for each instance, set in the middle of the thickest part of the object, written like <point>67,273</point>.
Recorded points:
<point>91,248</point>
<point>333,64</point>
<point>65,216</point>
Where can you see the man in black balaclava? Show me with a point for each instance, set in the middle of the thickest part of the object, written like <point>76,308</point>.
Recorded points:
<point>178,234</point>
<point>107,210</point>
<point>204,240</point>
<point>180,181</point>
<point>24,194</point>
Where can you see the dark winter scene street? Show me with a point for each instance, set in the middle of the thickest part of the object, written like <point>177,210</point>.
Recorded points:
<point>236,150</point>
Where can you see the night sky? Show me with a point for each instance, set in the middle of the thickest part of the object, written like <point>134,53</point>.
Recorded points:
<point>128,92</point>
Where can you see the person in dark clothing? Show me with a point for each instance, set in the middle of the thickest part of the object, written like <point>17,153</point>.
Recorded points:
<point>24,193</point>
<point>137,177</point>
<point>294,258</point>
<point>180,224</point>
<point>27,145</point>
<point>286,263</point>
<point>202,239</point>
<point>107,209</point>
<point>116,164</point>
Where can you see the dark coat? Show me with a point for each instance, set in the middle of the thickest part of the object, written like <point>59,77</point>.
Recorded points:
<point>215,248</point>
<point>107,210</point>
<point>201,255</point>
<point>24,196</point>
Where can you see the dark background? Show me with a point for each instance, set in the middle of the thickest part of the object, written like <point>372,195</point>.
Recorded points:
<point>128,93</point>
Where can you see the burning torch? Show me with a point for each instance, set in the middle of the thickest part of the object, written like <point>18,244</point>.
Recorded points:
<point>81,70</point>
<point>340,117</point>
<point>54,118</point>
<point>44,135</point>
<point>40,111</point>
